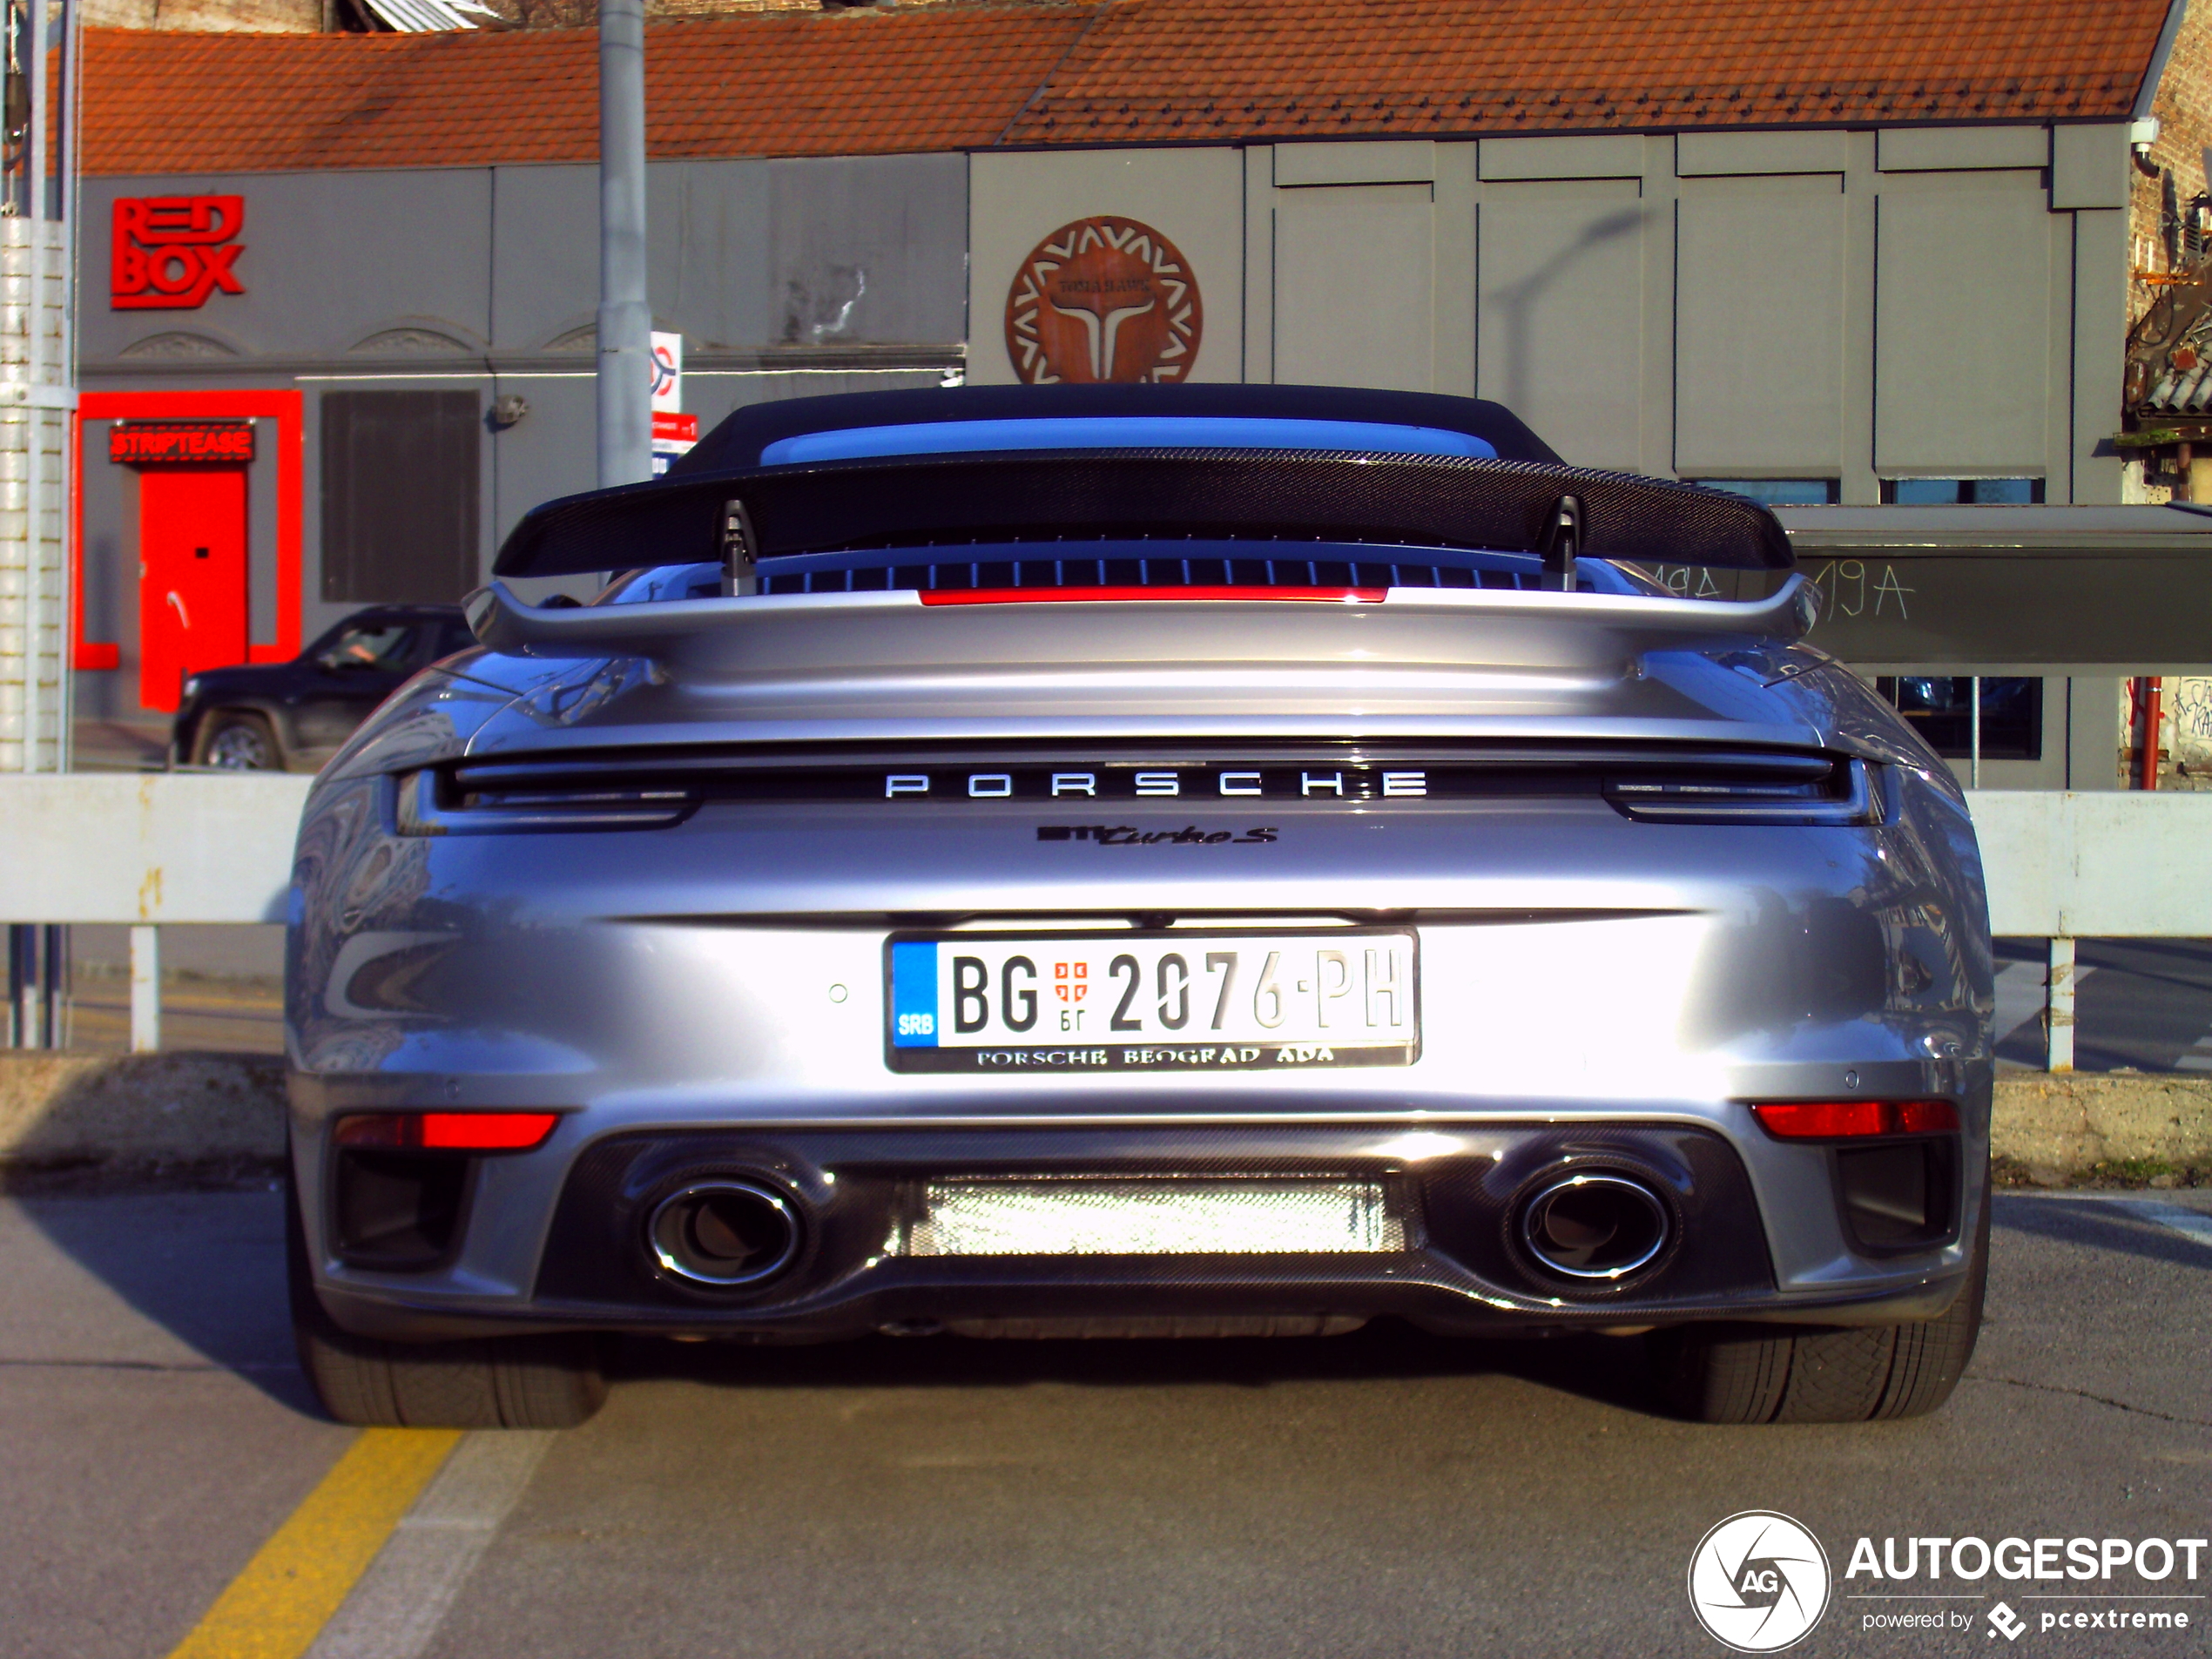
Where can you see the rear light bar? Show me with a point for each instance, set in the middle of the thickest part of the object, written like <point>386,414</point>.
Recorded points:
<point>1824,792</point>
<point>1085,595</point>
<point>1841,1120</point>
<point>446,1131</point>
<point>423,805</point>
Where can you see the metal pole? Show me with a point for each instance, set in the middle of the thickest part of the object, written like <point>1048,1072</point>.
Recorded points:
<point>146,989</point>
<point>34,417</point>
<point>1973,734</point>
<point>20,983</point>
<point>69,176</point>
<point>2058,1032</point>
<point>625,314</point>
<point>57,986</point>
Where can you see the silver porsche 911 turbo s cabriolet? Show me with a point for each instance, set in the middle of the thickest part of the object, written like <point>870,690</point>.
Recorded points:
<point>1089,861</point>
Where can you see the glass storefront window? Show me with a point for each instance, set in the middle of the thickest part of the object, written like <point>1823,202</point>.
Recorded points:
<point>1780,492</point>
<point>1940,710</point>
<point>1962,492</point>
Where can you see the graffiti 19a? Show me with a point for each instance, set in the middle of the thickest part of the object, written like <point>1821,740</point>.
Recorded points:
<point>1857,588</point>
<point>1688,581</point>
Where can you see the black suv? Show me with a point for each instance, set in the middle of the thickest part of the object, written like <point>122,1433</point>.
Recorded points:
<point>279,717</point>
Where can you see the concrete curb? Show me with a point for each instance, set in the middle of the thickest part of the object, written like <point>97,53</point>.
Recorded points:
<point>60,1110</point>
<point>2072,1122</point>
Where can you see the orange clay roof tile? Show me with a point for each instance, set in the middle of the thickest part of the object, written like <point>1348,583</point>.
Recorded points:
<point>778,83</point>
<point>1184,70</point>
<point>1044,73</point>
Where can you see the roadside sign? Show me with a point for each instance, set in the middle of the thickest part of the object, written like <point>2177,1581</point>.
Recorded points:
<point>674,432</point>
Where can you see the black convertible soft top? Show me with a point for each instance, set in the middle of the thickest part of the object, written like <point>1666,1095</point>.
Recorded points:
<point>720,503</point>
<point>737,443</point>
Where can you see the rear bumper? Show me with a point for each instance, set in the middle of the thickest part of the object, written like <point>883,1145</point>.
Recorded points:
<point>1456,1190</point>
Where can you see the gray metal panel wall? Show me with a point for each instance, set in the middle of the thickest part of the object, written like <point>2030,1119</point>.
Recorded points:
<point>1836,305</point>
<point>1560,319</point>
<point>1355,290</point>
<point>1962,334</point>
<point>1758,342</point>
<point>867,251</point>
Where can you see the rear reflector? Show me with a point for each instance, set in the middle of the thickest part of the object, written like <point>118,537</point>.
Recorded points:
<point>1837,1120</point>
<point>1093,596</point>
<point>447,1131</point>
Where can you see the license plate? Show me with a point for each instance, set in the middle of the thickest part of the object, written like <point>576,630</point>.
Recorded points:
<point>1109,1216</point>
<point>1062,1003</point>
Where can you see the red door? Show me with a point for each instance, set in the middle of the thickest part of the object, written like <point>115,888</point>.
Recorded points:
<point>192,576</point>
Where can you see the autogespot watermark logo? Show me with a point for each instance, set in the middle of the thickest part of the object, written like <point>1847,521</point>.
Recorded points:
<point>2066,1584</point>
<point>1758,1581</point>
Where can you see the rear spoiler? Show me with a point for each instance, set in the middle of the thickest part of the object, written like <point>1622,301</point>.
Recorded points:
<point>699,633</point>
<point>738,518</point>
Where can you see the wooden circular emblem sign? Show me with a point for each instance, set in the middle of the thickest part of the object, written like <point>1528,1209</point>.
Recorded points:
<point>1103,299</point>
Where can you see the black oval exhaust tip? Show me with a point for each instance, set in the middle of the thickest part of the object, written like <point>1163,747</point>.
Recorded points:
<point>1596,1227</point>
<point>725,1233</point>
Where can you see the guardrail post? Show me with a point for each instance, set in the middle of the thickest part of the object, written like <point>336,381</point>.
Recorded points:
<point>146,989</point>
<point>2058,1025</point>
<point>53,986</point>
<point>23,986</point>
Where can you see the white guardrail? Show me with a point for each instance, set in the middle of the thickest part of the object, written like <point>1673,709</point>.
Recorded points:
<point>144,849</point>
<point>148,849</point>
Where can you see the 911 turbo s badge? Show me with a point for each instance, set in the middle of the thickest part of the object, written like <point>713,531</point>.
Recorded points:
<point>1130,835</point>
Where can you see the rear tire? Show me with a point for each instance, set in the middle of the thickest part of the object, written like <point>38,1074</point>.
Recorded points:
<point>1857,1374</point>
<point>240,742</point>
<point>486,1382</point>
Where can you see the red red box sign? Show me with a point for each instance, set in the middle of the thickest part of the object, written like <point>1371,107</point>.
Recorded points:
<point>170,253</point>
<point>141,444</point>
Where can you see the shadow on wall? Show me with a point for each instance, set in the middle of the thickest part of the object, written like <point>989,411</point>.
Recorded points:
<point>1518,300</point>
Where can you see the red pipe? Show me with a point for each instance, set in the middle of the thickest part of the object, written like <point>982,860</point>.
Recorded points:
<point>2146,757</point>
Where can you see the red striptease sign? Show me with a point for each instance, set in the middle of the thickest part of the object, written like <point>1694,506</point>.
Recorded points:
<point>170,253</point>
<point>147,443</point>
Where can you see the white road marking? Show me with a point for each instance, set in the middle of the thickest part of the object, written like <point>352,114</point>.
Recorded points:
<point>2198,1058</point>
<point>2190,1223</point>
<point>2195,1224</point>
<point>399,1603</point>
<point>2020,998</point>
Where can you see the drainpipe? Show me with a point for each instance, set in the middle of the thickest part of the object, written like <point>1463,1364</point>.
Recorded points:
<point>2146,757</point>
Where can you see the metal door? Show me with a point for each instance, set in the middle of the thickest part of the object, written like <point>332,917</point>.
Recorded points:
<point>192,576</point>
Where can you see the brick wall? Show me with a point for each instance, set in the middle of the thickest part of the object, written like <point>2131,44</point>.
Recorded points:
<point>208,17</point>
<point>2184,111</point>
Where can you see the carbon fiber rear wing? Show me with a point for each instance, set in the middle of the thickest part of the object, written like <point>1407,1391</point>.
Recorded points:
<point>1134,495</point>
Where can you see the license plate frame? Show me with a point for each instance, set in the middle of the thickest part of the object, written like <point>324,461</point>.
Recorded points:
<point>1099,1046</point>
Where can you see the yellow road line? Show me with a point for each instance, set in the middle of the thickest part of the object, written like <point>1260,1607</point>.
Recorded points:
<point>274,1607</point>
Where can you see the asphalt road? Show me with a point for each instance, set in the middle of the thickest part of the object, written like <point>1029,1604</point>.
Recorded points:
<point>2139,1004</point>
<point>1383,1492</point>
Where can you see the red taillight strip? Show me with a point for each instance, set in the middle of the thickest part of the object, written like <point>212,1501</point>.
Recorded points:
<point>1094,596</point>
<point>447,1131</point>
<point>1839,1120</point>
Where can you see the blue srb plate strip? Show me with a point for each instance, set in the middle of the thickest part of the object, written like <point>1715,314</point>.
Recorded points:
<point>913,994</point>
